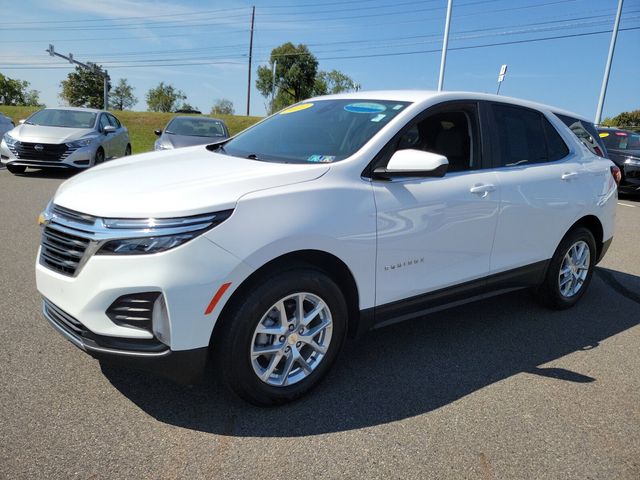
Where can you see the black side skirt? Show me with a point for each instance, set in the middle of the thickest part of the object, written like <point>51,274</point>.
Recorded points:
<point>522,277</point>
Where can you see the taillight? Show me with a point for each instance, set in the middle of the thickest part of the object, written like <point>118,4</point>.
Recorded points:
<point>616,174</point>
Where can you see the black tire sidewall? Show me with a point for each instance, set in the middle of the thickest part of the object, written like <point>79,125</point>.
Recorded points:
<point>16,168</point>
<point>551,288</point>
<point>98,160</point>
<point>237,335</point>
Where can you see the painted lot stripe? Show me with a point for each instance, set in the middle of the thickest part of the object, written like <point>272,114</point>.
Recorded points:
<point>627,205</point>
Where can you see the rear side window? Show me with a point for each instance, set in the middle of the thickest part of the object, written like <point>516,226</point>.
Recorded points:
<point>525,136</point>
<point>586,133</point>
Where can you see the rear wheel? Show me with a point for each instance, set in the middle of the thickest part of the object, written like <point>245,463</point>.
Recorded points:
<point>282,338</point>
<point>127,151</point>
<point>570,270</point>
<point>16,168</point>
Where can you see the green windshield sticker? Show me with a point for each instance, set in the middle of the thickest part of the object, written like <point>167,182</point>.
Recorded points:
<point>365,108</point>
<point>321,158</point>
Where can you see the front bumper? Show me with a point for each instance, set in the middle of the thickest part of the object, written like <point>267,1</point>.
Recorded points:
<point>185,367</point>
<point>79,158</point>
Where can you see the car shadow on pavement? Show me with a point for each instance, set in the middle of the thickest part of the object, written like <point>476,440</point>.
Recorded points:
<point>62,173</point>
<point>409,368</point>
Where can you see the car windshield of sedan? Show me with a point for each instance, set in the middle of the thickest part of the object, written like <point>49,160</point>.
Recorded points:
<point>621,140</point>
<point>321,131</point>
<point>51,117</point>
<point>195,127</point>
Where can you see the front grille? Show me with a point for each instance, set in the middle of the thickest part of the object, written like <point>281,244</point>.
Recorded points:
<point>61,251</point>
<point>64,320</point>
<point>51,152</point>
<point>133,310</point>
<point>73,215</point>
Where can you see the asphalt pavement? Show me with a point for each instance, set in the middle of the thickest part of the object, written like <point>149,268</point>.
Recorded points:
<point>499,389</point>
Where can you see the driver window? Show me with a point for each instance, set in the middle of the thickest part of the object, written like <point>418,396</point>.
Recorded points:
<point>103,122</point>
<point>451,133</point>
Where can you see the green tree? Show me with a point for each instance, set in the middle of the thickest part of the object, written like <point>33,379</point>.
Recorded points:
<point>14,92</point>
<point>122,97</point>
<point>222,106</point>
<point>164,98</point>
<point>629,120</point>
<point>83,88</point>
<point>334,82</point>
<point>296,70</point>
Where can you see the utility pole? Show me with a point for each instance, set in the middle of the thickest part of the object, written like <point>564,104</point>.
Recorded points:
<point>88,66</point>
<point>253,16</point>
<point>273,84</point>
<point>445,43</point>
<point>607,68</point>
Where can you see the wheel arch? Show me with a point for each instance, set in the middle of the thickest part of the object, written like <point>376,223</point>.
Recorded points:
<point>315,259</point>
<point>593,224</point>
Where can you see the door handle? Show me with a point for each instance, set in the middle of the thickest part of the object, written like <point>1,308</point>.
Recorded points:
<point>482,190</point>
<point>568,176</point>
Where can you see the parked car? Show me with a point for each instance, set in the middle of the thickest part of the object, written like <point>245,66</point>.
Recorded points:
<point>624,150</point>
<point>64,138</point>
<point>334,216</point>
<point>6,124</point>
<point>189,131</point>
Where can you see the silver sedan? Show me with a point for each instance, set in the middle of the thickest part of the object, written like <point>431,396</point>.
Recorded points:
<point>64,138</point>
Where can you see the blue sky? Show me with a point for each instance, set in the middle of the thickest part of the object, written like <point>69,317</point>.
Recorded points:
<point>201,47</point>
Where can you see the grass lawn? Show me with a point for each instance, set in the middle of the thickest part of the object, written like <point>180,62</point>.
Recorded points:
<point>141,124</point>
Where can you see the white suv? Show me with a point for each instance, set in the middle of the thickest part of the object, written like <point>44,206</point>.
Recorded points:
<point>332,217</point>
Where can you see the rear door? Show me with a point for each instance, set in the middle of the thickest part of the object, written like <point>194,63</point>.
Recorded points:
<point>539,178</point>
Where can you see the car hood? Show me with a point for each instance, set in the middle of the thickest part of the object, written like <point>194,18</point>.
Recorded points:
<point>39,133</point>
<point>179,141</point>
<point>175,183</point>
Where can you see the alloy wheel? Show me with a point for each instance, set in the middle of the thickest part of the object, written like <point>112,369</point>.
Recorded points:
<point>574,269</point>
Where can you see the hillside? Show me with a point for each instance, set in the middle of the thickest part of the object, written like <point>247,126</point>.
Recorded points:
<point>141,124</point>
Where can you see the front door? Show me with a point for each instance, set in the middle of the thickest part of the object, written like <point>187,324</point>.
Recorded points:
<point>436,232</point>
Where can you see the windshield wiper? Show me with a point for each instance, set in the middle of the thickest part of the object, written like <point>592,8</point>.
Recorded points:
<point>253,156</point>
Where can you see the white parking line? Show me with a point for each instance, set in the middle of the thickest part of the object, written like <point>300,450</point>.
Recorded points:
<point>627,205</point>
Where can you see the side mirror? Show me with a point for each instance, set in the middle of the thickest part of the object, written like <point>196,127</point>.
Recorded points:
<point>158,132</point>
<point>413,163</point>
<point>21,121</point>
<point>108,129</point>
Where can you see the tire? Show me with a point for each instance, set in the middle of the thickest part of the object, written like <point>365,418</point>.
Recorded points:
<point>99,158</point>
<point>127,151</point>
<point>561,290</point>
<point>16,168</point>
<point>240,365</point>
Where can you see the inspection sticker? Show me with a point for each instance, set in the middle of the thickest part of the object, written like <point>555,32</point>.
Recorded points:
<point>378,117</point>
<point>365,108</point>
<point>296,108</point>
<point>321,158</point>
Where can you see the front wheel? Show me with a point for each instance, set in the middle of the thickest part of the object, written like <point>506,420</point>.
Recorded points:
<point>127,151</point>
<point>282,337</point>
<point>99,158</point>
<point>570,270</point>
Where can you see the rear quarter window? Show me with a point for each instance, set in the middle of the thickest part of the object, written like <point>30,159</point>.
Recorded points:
<point>586,133</point>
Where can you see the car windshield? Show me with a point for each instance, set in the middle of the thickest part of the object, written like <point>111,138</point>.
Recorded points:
<point>196,127</point>
<point>617,140</point>
<point>322,131</point>
<point>62,118</point>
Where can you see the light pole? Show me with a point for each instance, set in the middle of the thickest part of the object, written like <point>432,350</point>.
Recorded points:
<point>89,66</point>
<point>445,43</point>
<point>607,69</point>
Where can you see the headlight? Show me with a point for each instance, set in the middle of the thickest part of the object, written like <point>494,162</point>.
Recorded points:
<point>151,235</point>
<point>83,142</point>
<point>158,145</point>
<point>633,161</point>
<point>9,139</point>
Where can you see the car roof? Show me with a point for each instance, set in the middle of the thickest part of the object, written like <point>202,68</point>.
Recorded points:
<point>76,109</point>
<point>417,96</point>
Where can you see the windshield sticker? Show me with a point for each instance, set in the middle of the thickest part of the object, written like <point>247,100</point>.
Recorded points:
<point>296,108</point>
<point>398,107</point>
<point>604,135</point>
<point>321,158</point>
<point>378,117</point>
<point>365,108</point>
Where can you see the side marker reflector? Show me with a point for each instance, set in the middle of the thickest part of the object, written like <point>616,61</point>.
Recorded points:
<point>216,298</point>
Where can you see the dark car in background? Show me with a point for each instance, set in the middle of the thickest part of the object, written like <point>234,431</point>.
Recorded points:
<point>623,147</point>
<point>186,131</point>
